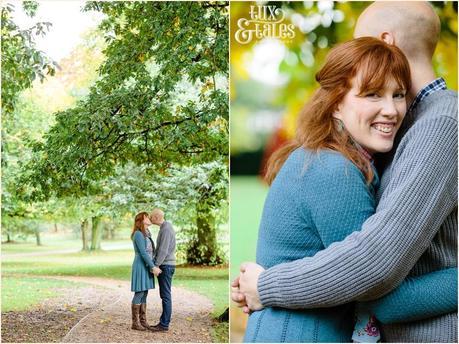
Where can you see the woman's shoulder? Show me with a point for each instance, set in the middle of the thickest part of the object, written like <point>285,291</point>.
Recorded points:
<point>333,161</point>
<point>138,234</point>
<point>331,172</point>
<point>325,162</point>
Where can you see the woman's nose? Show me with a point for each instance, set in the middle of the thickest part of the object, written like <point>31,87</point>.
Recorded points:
<point>389,108</point>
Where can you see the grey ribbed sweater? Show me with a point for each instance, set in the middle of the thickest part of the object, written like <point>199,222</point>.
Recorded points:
<point>413,232</point>
<point>165,245</point>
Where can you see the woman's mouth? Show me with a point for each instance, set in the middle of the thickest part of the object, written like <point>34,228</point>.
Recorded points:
<point>385,128</point>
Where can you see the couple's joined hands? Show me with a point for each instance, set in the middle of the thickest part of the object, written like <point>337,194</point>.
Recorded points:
<point>244,291</point>
<point>155,271</point>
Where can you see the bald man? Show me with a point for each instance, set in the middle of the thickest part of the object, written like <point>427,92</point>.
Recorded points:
<point>414,229</point>
<point>164,266</point>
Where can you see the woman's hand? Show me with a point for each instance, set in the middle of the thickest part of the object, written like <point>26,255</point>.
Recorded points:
<point>248,282</point>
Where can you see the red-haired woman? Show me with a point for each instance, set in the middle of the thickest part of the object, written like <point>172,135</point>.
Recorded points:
<point>323,183</point>
<point>142,277</point>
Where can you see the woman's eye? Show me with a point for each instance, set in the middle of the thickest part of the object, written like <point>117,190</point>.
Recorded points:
<point>372,95</point>
<point>399,95</point>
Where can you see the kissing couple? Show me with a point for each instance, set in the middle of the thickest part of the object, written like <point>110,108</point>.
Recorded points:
<point>149,260</point>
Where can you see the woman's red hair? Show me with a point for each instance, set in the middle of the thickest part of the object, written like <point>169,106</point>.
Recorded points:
<point>376,61</point>
<point>139,225</point>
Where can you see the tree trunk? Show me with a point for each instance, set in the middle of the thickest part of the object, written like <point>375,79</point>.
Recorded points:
<point>111,231</point>
<point>96,233</point>
<point>37,237</point>
<point>8,237</point>
<point>107,231</point>
<point>55,227</point>
<point>207,235</point>
<point>204,250</point>
<point>84,234</point>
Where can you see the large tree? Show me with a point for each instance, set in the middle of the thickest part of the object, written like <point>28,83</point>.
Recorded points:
<point>161,100</point>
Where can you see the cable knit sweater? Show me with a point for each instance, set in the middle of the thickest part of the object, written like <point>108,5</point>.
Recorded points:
<point>413,232</point>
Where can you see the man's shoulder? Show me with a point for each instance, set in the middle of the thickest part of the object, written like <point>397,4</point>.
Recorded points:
<point>168,226</point>
<point>442,103</point>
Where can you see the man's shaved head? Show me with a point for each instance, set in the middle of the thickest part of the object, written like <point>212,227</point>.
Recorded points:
<point>158,213</point>
<point>414,26</point>
<point>157,216</point>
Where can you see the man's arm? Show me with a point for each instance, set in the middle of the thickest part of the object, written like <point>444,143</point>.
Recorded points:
<point>162,249</point>
<point>370,263</point>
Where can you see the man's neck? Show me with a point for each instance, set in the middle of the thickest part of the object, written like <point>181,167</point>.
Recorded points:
<point>421,75</point>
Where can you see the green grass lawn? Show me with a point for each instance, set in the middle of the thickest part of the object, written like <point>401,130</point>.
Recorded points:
<point>56,243</point>
<point>49,245</point>
<point>21,293</point>
<point>247,198</point>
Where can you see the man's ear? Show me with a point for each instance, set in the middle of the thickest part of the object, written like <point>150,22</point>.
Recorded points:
<point>387,37</point>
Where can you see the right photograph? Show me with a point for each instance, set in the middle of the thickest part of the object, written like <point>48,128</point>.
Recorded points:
<point>344,169</point>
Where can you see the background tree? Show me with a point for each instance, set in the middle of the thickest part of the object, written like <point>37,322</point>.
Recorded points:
<point>319,25</point>
<point>22,63</point>
<point>27,106</point>
<point>194,198</point>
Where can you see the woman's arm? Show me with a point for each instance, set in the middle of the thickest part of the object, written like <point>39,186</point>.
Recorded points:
<point>419,297</point>
<point>139,241</point>
<point>339,198</point>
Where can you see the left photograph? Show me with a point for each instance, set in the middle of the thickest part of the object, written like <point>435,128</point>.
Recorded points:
<point>115,171</point>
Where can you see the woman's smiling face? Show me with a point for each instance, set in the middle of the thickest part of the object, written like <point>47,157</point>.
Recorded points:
<point>372,118</point>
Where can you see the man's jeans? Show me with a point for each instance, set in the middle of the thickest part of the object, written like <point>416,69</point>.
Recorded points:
<point>165,281</point>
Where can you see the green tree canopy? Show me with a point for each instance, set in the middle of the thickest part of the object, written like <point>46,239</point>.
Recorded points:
<point>131,113</point>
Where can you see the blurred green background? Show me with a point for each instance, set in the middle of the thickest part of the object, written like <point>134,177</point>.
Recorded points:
<point>271,79</point>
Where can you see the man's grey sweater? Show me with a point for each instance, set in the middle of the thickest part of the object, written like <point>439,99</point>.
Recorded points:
<point>413,232</point>
<point>165,245</point>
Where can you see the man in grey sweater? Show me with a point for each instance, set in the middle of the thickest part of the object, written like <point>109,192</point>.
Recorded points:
<point>164,266</point>
<point>414,229</point>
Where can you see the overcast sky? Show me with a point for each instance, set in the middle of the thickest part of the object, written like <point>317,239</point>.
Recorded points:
<point>69,22</point>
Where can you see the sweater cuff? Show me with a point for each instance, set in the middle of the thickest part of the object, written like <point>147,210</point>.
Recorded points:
<point>267,286</point>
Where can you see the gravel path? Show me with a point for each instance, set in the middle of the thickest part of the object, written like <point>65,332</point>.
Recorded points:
<point>191,320</point>
<point>53,318</point>
<point>101,313</point>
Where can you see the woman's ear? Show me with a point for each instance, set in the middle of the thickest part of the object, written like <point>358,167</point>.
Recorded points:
<point>337,113</point>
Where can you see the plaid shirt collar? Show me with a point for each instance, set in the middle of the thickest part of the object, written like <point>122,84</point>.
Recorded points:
<point>436,85</point>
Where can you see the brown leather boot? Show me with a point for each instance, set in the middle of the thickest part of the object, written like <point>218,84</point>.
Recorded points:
<point>135,318</point>
<point>143,316</point>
